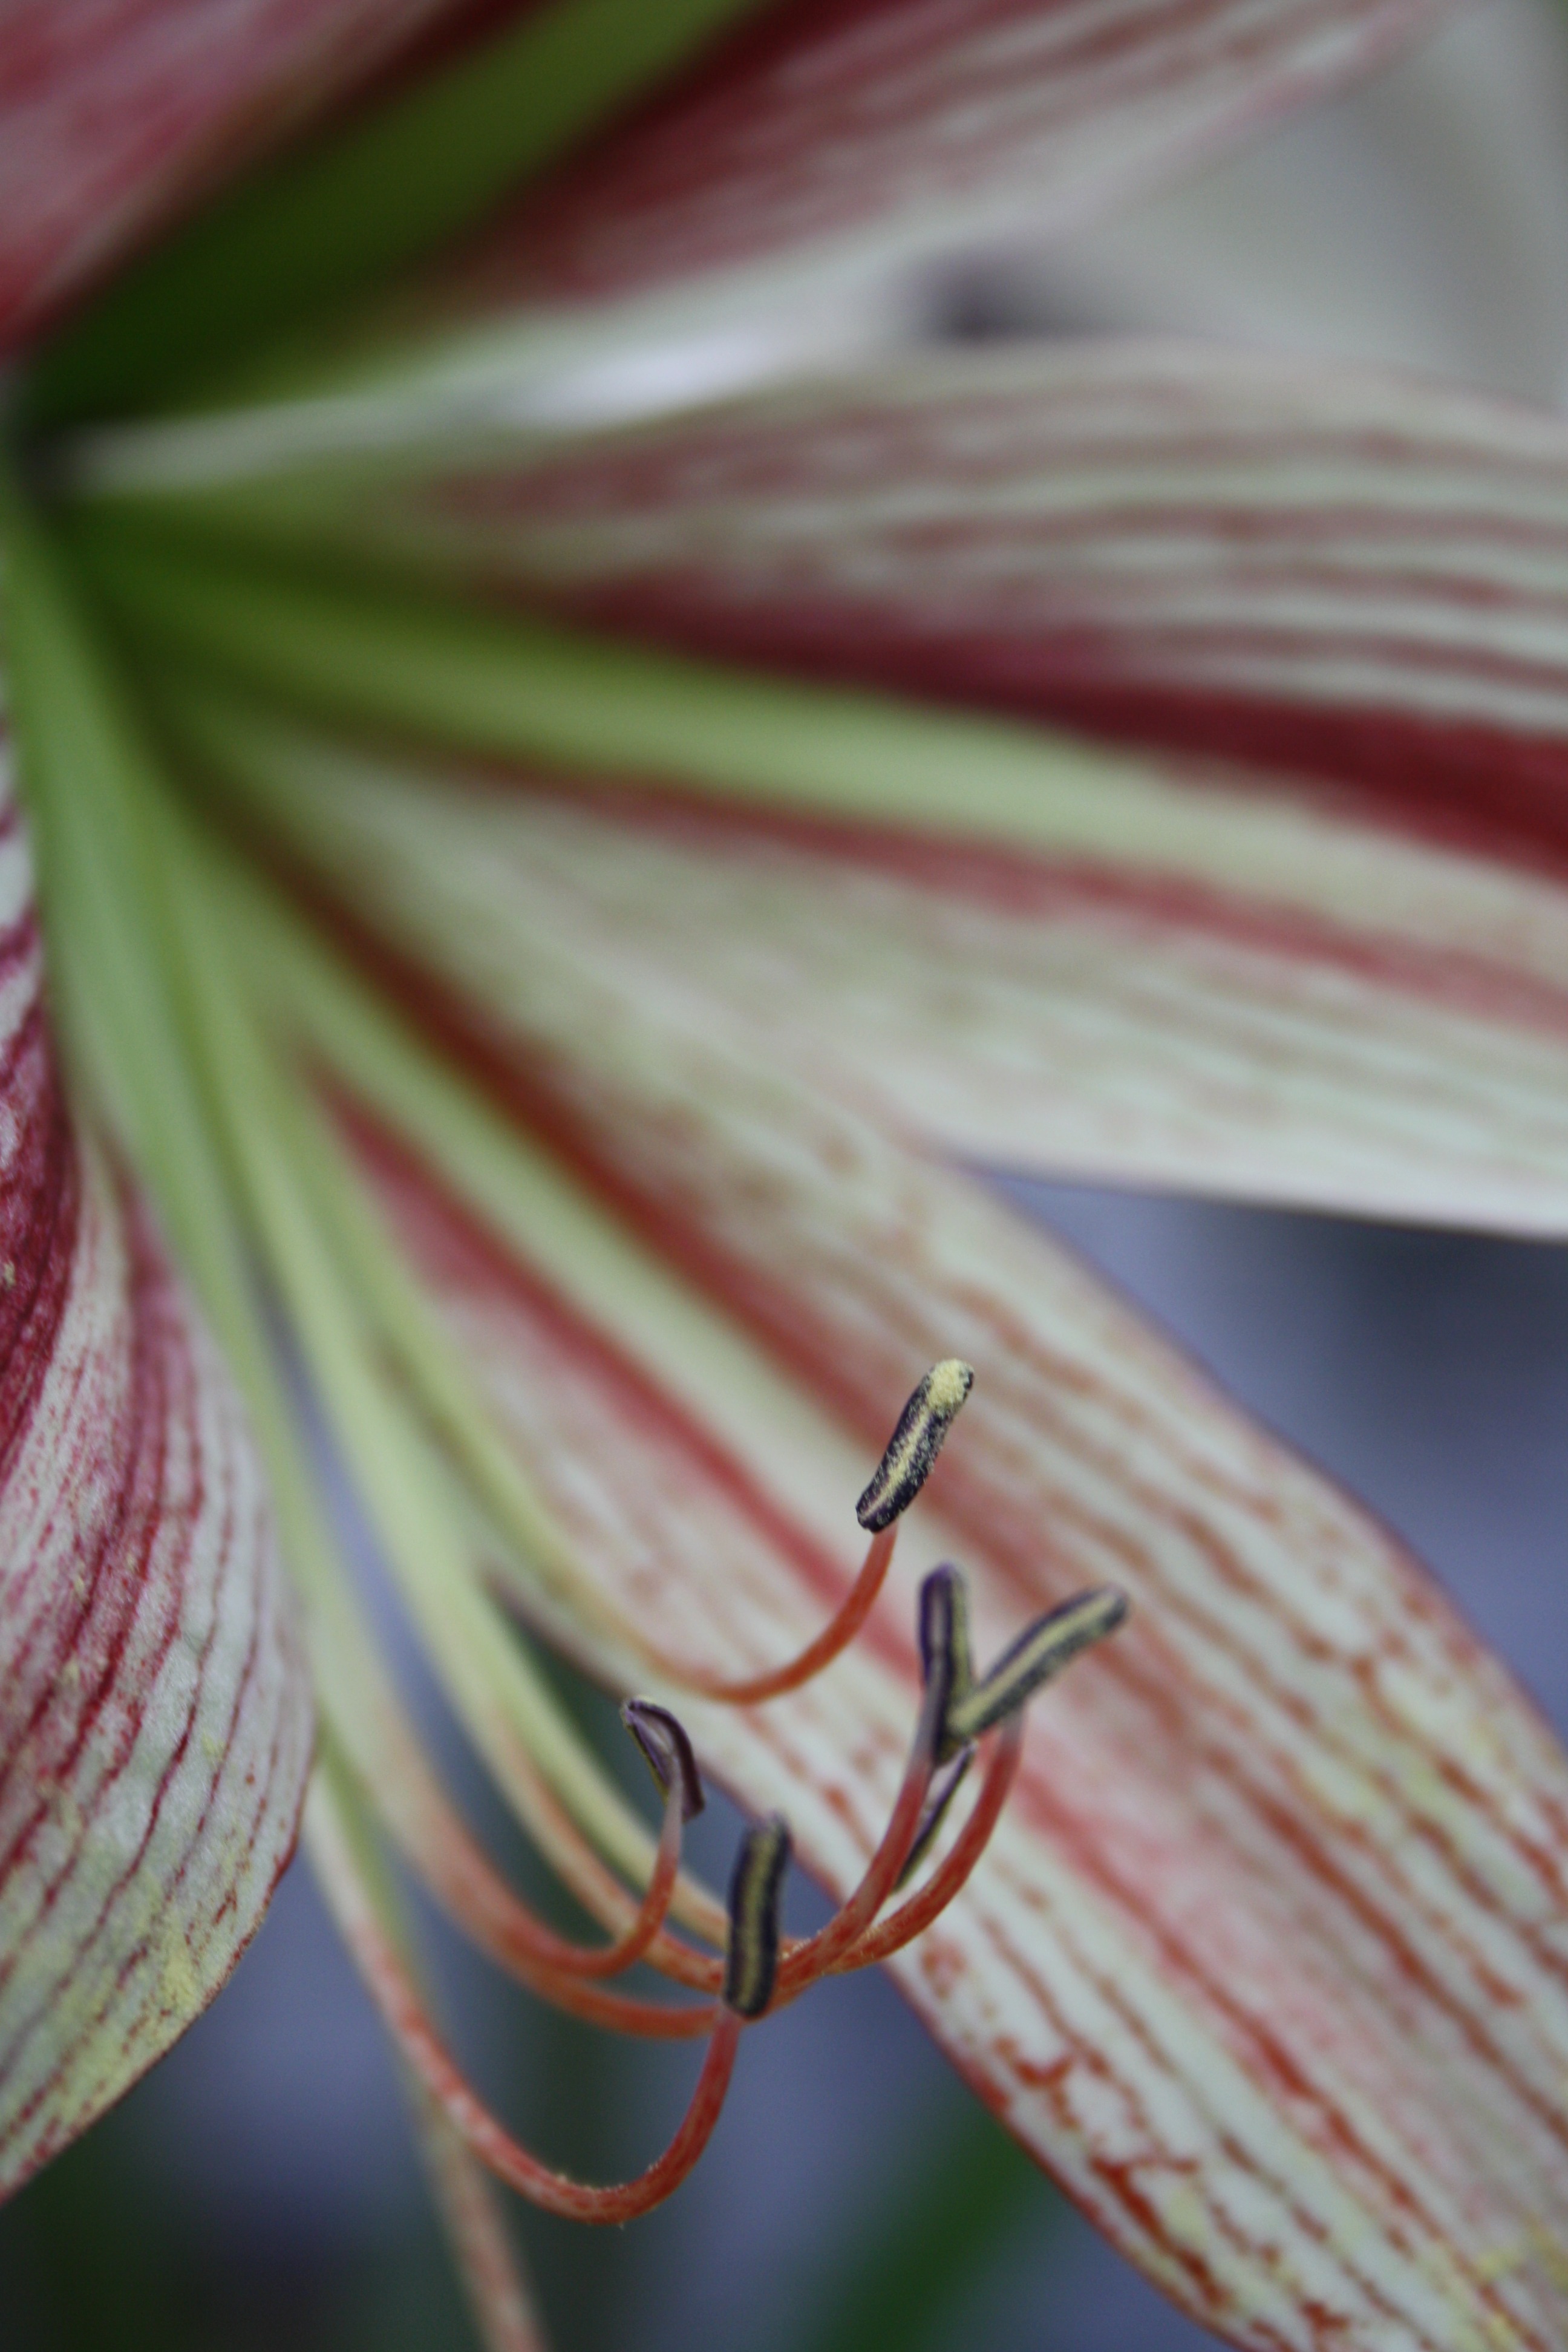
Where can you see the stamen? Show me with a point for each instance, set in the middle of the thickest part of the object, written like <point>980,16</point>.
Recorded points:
<point>952,1874</point>
<point>391,1986</point>
<point>956,1712</point>
<point>667,1751</point>
<point>962,1715</point>
<point>915,1443</point>
<point>835,1637</point>
<point>1041,1650</point>
<point>943,1787</point>
<point>945,1662</point>
<point>900,1476</point>
<point>752,1964</point>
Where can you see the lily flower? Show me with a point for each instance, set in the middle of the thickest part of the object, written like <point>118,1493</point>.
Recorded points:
<point>545,889</point>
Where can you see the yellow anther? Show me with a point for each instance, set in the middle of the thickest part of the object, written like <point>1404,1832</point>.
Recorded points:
<point>1040,1651</point>
<point>751,1963</point>
<point>915,1443</point>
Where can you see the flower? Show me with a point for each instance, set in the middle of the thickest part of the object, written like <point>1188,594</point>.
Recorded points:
<point>554,895</point>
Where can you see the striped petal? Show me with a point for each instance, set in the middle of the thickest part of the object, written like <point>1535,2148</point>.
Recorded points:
<point>1266,1961</point>
<point>116,114</point>
<point>908,128</point>
<point>1235,979</point>
<point>772,202</point>
<point>1354,578</point>
<point>1009,944</point>
<point>1338,1017</point>
<point>1272,2138</point>
<point>154,1717</point>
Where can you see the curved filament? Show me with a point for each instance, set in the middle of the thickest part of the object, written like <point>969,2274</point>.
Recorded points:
<point>912,1918</point>
<point>609,1960</point>
<point>826,1950</point>
<point>404,1795</point>
<point>469,1888</point>
<point>400,2005</point>
<point>391,1986</point>
<point>595,1886</point>
<point>836,1636</point>
<point>471,1891</point>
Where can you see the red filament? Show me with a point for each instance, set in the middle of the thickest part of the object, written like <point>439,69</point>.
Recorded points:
<point>405,2012</point>
<point>835,1637</point>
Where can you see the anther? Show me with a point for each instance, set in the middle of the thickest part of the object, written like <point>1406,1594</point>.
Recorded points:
<point>914,1444</point>
<point>1042,1650</point>
<point>901,1474</point>
<point>750,1965</point>
<point>945,1665</point>
<point>667,1751</point>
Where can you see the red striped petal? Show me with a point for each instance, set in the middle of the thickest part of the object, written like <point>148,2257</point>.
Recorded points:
<point>1060,958</point>
<point>116,114</point>
<point>1345,576</point>
<point>916,126</point>
<point>1266,1961</point>
<point>154,1715</point>
<point>1281,1003</point>
<point>1230,981</point>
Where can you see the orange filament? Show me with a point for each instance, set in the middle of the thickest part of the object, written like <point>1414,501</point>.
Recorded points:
<point>461,1877</point>
<point>599,1890</point>
<point>521,1941</point>
<point>912,1918</point>
<point>499,1923</point>
<point>802,1963</point>
<point>610,1959</point>
<point>396,1996</point>
<point>625,2013</point>
<point>835,1637</point>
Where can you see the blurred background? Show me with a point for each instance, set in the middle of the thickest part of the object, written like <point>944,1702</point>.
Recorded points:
<point>260,2188</point>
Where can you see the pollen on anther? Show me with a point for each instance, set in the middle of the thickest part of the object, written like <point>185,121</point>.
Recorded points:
<point>914,1444</point>
<point>1040,1651</point>
<point>750,1965</point>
